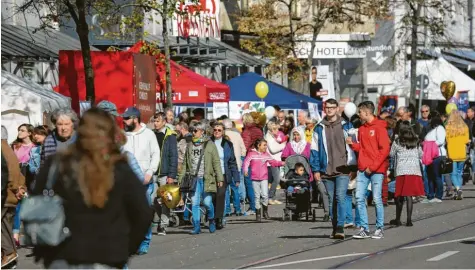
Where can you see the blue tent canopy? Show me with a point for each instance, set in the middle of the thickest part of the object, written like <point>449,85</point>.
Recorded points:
<point>242,88</point>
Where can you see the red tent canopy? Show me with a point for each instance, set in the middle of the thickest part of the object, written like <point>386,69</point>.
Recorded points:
<point>188,87</point>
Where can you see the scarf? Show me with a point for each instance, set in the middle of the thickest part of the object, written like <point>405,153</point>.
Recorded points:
<point>298,147</point>
<point>199,141</point>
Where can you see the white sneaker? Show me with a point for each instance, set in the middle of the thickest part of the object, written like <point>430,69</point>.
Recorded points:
<point>435,200</point>
<point>378,234</point>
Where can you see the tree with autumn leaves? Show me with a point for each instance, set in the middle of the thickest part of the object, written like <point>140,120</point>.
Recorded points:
<point>54,13</point>
<point>277,28</point>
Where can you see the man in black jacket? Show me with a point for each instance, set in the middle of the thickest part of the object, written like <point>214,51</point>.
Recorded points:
<point>167,170</point>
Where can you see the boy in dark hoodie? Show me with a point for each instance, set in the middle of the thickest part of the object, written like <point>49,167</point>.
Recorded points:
<point>373,148</point>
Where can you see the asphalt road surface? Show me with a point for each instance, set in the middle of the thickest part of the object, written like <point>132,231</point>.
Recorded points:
<point>443,237</point>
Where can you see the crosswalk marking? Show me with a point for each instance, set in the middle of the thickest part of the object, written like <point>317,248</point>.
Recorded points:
<point>442,256</point>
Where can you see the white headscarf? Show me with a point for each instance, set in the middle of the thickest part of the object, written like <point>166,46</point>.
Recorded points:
<point>298,147</point>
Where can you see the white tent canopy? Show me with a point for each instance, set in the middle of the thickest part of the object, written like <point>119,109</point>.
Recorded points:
<point>437,71</point>
<point>24,101</point>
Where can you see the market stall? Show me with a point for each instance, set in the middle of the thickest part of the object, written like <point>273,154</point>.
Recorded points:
<point>243,89</point>
<point>24,101</point>
<point>189,88</point>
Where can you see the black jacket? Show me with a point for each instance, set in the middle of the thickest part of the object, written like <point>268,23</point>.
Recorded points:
<point>106,236</point>
<point>168,154</point>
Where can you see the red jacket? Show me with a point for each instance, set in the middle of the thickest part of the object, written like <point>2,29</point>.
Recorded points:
<point>373,146</point>
<point>250,134</point>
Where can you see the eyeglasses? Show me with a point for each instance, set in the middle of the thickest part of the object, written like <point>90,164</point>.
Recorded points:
<point>218,130</point>
<point>196,130</point>
<point>330,108</point>
<point>424,111</point>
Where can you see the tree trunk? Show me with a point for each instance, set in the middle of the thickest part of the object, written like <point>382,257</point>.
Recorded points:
<point>168,83</point>
<point>416,11</point>
<point>83,33</point>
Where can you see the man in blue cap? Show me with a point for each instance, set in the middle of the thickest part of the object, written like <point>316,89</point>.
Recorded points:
<point>143,143</point>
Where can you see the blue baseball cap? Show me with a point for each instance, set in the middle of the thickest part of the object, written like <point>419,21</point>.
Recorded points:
<point>131,112</point>
<point>108,107</point>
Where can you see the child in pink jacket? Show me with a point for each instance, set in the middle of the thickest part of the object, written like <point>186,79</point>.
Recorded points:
<point>258,158</point>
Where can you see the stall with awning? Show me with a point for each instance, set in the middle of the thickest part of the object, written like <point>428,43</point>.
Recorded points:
<point>436,71</point>
<point>188,87</point>
<point>243,89</point>
<point>24,101</point>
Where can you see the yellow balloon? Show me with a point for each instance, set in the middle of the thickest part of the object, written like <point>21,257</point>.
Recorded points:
<point>262,89</point>
<point>450,107</point>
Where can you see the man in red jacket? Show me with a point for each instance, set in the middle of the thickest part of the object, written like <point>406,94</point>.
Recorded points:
<point>373,148</point>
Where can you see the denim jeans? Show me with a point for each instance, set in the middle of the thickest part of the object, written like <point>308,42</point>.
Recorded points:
<point>274,179</point>
<point>336,188</point>
<point>425,177</point>
<point>196,202</point>
<point>436,185</point>
<point>261,191</point>
<point>242,189</point>
<point>250,191</point>
<point>472,159</point>
<point>16,219</point>
<point>236,198</point>
<point>349,210</point>
<point>456,175</point>
<point>150,196</point>
<point>362,182</point>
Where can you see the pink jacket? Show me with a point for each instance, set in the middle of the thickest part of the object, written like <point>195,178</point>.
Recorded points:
<point>258,162</point>
<point>289,151</point>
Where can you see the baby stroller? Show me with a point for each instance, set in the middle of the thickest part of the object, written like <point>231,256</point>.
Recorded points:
<point>297,190</point>
<point>467,171</point>
<point>177,214</point>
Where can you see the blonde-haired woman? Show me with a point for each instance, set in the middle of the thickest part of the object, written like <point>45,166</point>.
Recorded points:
<point>457,140</point>
<point>275,145</point>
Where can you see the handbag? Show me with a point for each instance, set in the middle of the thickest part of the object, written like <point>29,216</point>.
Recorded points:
<point>188,184</point>
<point>43,215</point>
<point>446,165</point>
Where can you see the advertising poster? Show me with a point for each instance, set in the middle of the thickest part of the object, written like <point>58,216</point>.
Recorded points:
<point>313,111</point>
<point>387,103</point>
<point>320,76</point>
<point>238,108</point>
<point>145,77</point>
<point>462,104</point>
<point>220,109</point>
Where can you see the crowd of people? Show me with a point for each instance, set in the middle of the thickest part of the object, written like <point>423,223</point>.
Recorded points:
<point>105,170</point>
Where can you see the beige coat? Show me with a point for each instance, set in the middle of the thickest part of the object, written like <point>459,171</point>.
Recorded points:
<point>238,145</point>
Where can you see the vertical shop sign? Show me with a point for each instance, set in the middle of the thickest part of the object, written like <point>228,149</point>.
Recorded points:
<point>145,78</point>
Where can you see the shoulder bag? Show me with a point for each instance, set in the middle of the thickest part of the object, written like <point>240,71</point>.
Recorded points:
<point>43,215</point>
<point>188,184</point>
<point>446,164</point>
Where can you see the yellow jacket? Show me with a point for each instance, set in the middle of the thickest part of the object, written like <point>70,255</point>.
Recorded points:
<point>457,146</point>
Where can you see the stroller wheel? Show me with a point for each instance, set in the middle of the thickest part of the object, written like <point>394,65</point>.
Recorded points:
<point>283,215</point>
<point>291,215</point>
<point>313,215</point>
<point>307,214</point>
<point>174,221</point>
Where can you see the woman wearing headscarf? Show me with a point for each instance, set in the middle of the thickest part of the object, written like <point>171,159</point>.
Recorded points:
<point>297,146</point>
